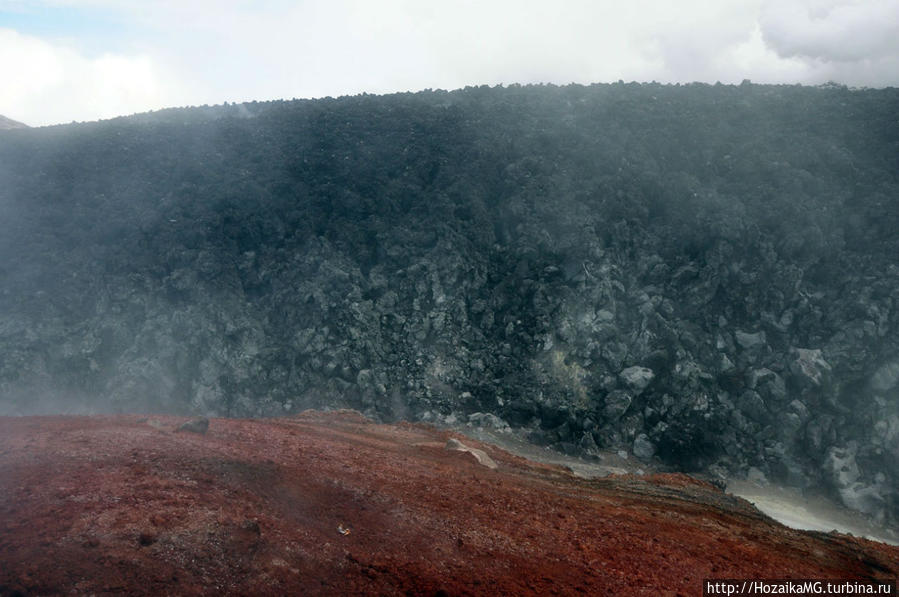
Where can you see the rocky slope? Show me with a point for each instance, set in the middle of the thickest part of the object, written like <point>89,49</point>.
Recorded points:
<point>330,503</point>
<point>700,274</point>
<point>9,123</point>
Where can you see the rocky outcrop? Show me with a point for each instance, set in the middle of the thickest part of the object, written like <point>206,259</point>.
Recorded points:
<point>199,425</point>
<point>704,275</point>
<point>480,456</point>
<point>9,123</point>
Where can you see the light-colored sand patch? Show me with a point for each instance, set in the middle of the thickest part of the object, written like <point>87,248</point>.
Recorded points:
<point>609,463</point>
<point>479,455</point>
<point>789,507</point>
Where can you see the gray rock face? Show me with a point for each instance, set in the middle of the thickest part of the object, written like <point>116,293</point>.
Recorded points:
<point>637,378</point>
<point>588,444</point>
<point>810,367</point>
<point>756,377</point>
<point>643,448</point>
<point>489,421</point>
<point>841,467</point>
<point>752,404</point>
<point>616,404</point>
<point>866,499</point>
<point>768,384</point>
<point>886,377</point>
<point>750,341</point>
<point>199,425</point>
<point>247,269</point>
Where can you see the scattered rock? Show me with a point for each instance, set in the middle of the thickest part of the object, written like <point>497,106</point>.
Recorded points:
<point>251,526</point>
<point>759,376</point>
<point>199,425</point>
<point>643,448</point>
<point>489,421</point>
<point>637,378</point>
<point>146,538</point>
<point>809,367</point>
<point>752,404</point>
<point>841,467</point>
<point>616,404</point>
<point>725,364</point>
<point>479,455</point>
<point>886,377</point>
<point>768,384</point>
<point>588,444</point>
<point>605,316</point>
<point>865,499</point>
<point>799,409</point>
<point>246,318</point>
<point>750,341</point>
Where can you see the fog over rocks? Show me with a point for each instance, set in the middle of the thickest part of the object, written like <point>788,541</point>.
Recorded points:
<point>9,123</point>
<point>700,274</point>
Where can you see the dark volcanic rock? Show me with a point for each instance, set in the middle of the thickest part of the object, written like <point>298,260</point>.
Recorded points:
<point>711,267</point>
<point>200,425</point>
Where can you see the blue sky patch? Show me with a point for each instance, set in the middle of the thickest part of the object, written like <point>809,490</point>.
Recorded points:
<point>93,31</point>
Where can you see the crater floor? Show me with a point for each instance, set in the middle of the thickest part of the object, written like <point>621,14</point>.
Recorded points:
<point>331,503</point>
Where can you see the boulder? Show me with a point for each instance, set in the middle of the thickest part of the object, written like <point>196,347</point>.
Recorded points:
<point>749,341</point>
<point>616,404</point>
<point>840,466</point>
<point>768,384</point>
<point>819,432</point>
<point>759,376</point>
<point>605,316</point>
<point>637,378</point>
<point>809,367</point>
<point>725,364</point>
<point>886,377</point>
<point>587,444</point>
<point>799,409</point>
<point>199,425</point>
<point>752,404</point>
<point>480,456</point>
<point>866,499</point>
<point>643,448</point>
<point>489,421</point>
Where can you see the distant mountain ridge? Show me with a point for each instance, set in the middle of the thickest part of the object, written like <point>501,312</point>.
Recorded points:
<point>9,123</point>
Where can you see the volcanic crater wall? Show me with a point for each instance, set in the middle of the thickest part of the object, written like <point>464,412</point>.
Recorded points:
<point>705,274</point>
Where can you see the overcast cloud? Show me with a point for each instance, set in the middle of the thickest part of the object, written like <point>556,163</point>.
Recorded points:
<point>64,60</point>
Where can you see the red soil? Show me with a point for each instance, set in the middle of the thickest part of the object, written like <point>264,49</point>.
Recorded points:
<point>120,504</point>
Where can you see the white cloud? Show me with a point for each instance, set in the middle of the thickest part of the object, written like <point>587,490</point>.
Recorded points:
<point>692,40</point>
<point>753,59</point>
<point>848,41</point>
<point>832,31</point>
<point>210,51</point>
<point>46,83</point>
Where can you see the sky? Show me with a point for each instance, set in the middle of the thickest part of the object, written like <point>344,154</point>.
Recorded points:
<point>79,60</point>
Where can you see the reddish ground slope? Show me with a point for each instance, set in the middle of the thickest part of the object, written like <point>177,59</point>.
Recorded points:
<point>125,505</point>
